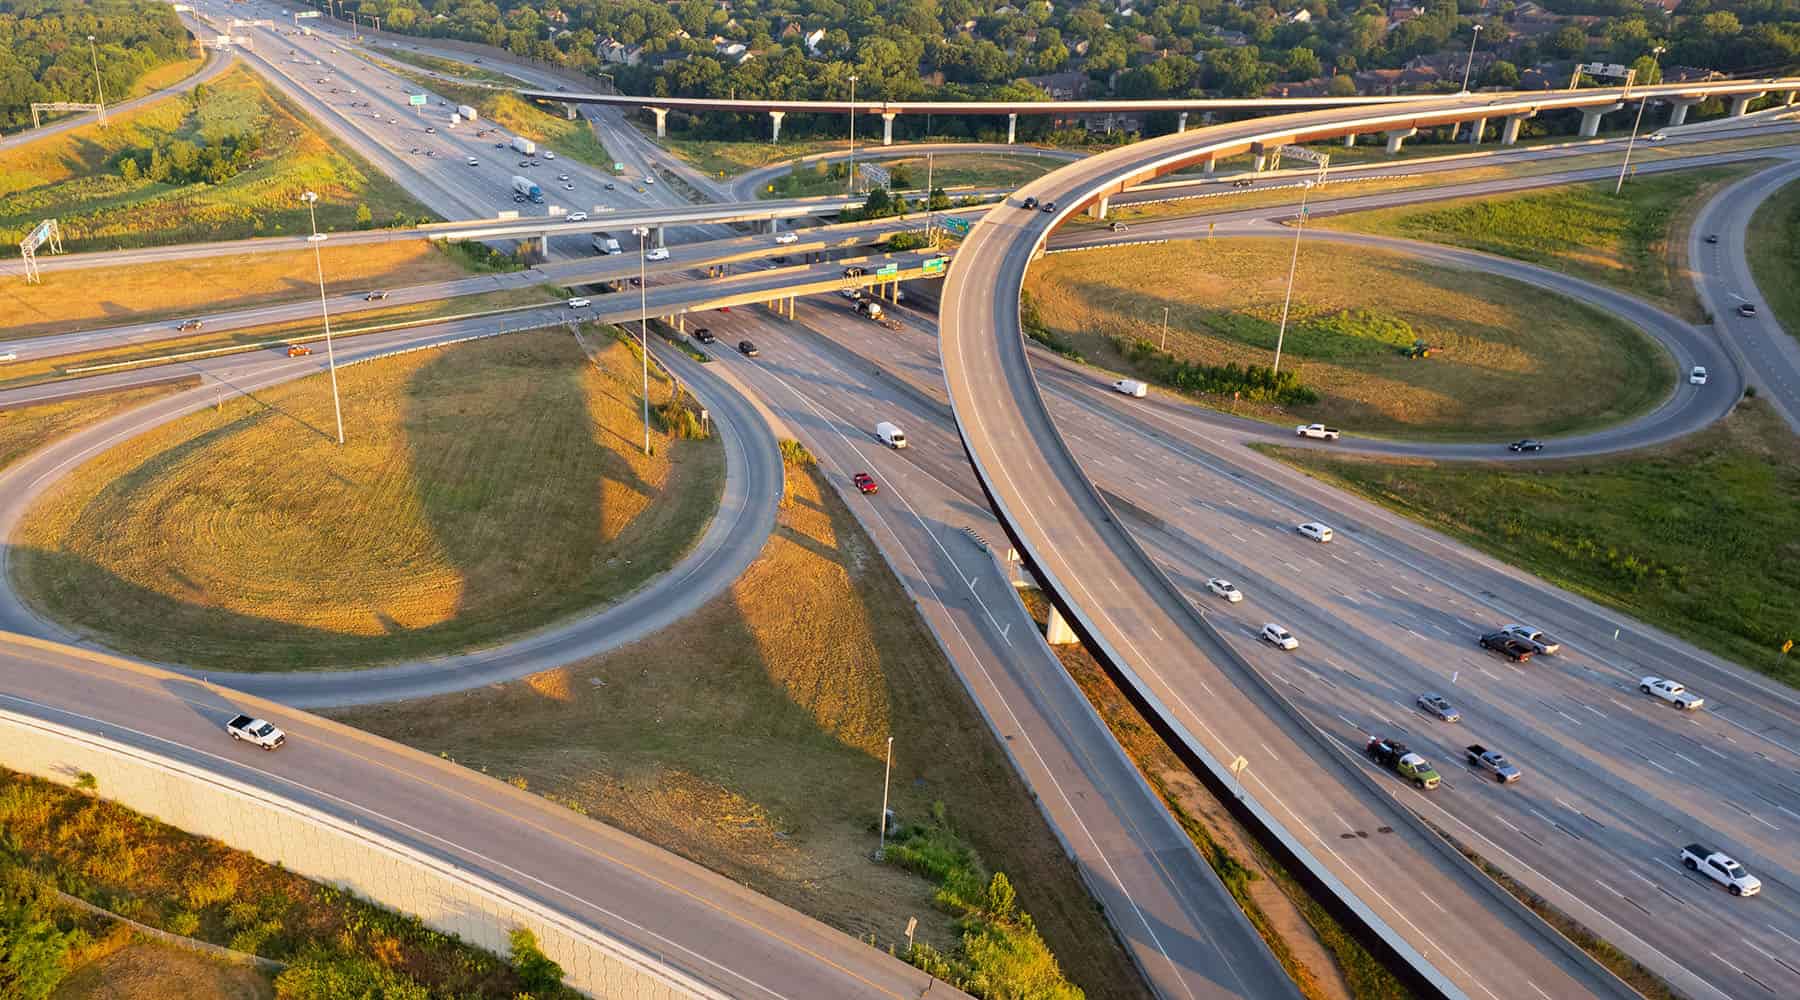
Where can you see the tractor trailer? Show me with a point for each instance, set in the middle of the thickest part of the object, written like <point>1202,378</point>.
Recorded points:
<point>466,111</point>
<point>528,187</point>
<point>524,145</point>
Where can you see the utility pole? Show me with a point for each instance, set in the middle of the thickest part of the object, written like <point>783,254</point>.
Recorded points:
<point>852,188</point>
<point>99,95</point>
<point>643,233</point>
<point>1656,55</point>
<point>315,239</point>
<point>929,214</point>
<point>1470,65</point>
<point>886,777</point>
<point>1165,339</point>
<point>1293,264</point>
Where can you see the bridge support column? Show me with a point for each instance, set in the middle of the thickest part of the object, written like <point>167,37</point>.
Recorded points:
<point>662,122</point>
<point>1678,113</point>
<point>1181,120</point>
<point>887,127</point>
<point>1741,104</point>
<point>1098,208</point>
<point>1477,129</point>
<point>774,225</point>
<point>1509,133</point>
<point>658,235</point>
<point>1211,166</point>
<point>543,242</point>
<point>1058,632</point>
<point>569,111</point>
<point>1590,119</point>
<point>1262,161</point>
<point>775,118</point>
<point>1350,140</point>
<point>1396,137</point>
<point>1012,129</point>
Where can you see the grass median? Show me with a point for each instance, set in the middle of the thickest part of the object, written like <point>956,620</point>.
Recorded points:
<point>1696,538</point>
<point>1775,260</point>
<point>1497,343</point>
<point>80,177</point>
<point>573,138</point>
<point>486,489</point>
<point>25,429</point>
<point>750,738</point>
<point>948,170</point>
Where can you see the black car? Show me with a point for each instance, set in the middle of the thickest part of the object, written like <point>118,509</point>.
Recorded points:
<point>705,336</point>
<point>1030,203</point>
<point>747,349</point>
<point>1048,206</point>
<point>1747,310</point>
<point>191,324</point>
<point>1526,445</point>
<point>1242,182</point>
<point>1712,237</point>
<point>1510,646</point>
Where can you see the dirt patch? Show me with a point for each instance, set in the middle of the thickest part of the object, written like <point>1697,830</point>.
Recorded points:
<point>144,970</point>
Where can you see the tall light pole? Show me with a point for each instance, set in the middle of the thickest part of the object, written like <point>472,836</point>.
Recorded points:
<point>315,239</point>
<point>99,95</point>
<point>930,212</point>
<point>643,233</point>
<point>886,777</point>
<point>1165,337</point>
<point>1656,55</point>
<point>1293,264</point>
<point>1470,65</point>
<point>852,188</point>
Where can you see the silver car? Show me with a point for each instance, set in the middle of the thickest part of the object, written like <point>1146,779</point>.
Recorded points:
<point>1438,705</point>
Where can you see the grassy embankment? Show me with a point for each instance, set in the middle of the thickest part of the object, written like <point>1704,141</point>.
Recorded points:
<point>1697,538</point>
<point>948,171</point>
<point>1775,233</point>
<point>166,75</point>
<point>1635,241</point>
<point>142,869</point>
<point>448,67</point>
<point>750,739</point>
<point>38,368</point>
<point>1320,954</point>
<point>486,489</point>
<point>728,159</point>
<point>573,139</point>
<point>1354,312</point>
<point>74,178</point>
<point>26,429</point>
<point>91,298</point>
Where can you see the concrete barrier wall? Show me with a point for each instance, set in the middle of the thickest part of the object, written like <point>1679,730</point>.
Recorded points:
<point>326,849</point>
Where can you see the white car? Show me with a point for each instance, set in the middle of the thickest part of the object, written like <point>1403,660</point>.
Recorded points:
<point>649,178</point>
<point>1697,376</point>
<point>1315,531</point>
<point>1720,868</point>
<point>579,303</point>
<point>1671,692</point>
<point>549,154</point>
<point>1225,589</point>
<point>657,253</point>
<point>787,238</point>
<point>577,216</point>
<point>1276,635</point>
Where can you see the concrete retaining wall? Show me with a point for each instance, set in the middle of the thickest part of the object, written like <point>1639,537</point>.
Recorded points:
<point>327,849</point>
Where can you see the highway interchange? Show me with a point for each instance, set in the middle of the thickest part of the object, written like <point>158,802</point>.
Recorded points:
<point>1612,781</point>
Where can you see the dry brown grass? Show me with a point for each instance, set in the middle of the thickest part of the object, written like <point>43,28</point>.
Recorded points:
<point>147,970</point>
<point>90,298</point>
<point>29,428</point>
<point>166,75</point>
<point>1508,351</point>
<point>486,489</point>
<point>749,738</point>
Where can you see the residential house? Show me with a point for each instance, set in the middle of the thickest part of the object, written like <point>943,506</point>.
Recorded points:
<point>616,53</point>
<point>1068,86</point>
<point>814,40</point>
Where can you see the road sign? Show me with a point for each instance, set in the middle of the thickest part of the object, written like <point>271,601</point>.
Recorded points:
<point>1302,153</point>
<point>418,100</point>
<point>936,265</point>
<point>303,14</point>
<point>957,225</point>
<point>619,168</point>
<point>888,269</point>
<point>39,236</point>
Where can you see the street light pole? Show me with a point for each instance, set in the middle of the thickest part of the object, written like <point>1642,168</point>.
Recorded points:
<point>1470,65</point>
<point>99,95</point>
<point>886,777</point>
<point>1165,339</point>
<point>1293,264</point>
<point>315,239</point>
<point>1655,54</point>
<point>643,233</point>
<point>852,188</point>
<point>930,214</point>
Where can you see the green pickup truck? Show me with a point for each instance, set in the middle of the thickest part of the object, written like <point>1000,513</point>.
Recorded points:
<point>1396,757</point>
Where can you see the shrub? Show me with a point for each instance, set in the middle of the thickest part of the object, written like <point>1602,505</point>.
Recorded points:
<point>794,453</point>
<point>183,922</point>
<point>34,950</point>
<point>320,975</point>
<point>680,418</point>
<point>1251,382</point>
<point>537,973</point>
<point>215,884</point>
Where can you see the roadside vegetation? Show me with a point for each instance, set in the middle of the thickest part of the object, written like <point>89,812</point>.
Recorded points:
<point>448,67</point>
<point>574,139</point>
<point>1322,957</point>
<point>226,160</point>
<point>727,159</point>
<point>334,945</point>
<point>908,173</point>
<point>44,57</point>
<point>750,738</point>
<point>25,429</point>
<point>90,298</point>
<point>1697,538</point>
<point>1635,241</point>
<point>1356,317</point>
<point>485,489</point>
<point>1775,234</point>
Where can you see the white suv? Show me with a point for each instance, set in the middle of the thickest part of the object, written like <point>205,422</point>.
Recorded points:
<point>1276,635</point>
<point>1315,531</point>
<point>1225,589</point>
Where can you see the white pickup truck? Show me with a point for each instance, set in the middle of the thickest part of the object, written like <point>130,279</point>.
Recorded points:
<point>1720,869</point>
<point>261,733</point>
<point>1319,431</point>
<point>1671,692</point>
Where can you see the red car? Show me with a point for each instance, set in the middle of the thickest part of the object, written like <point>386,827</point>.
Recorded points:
<point>865,482</point>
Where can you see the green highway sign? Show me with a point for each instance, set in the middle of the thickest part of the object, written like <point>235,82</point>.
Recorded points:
<point>888,269</point>
<point>959,226</point>
<point>936,265</point>
<point>417,100</point>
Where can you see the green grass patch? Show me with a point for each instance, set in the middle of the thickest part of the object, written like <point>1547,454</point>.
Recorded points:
<point>449,67</point>
<point>1355,315</point>
<point>728,159</point>
<point>486,489</point>
<point>79,178</point>
<point>549,129</point>
<point>1701,539</point>
<point>1775,234</point>
<point>1628,241</point>
<point>983,170</point>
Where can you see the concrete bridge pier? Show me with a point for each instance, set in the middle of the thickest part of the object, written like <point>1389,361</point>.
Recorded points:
<point>775,118</point>
<point>1262,163</point>
<point>569,111</point>
<point>774,225</point>
<point>1058,632</point>
<point>1397,137</point>
<point>1509,133</point>
<point>1212,164</point>
<point>1477,129</point>
<point>1350,140</point>
<point>1741,104</point>
<point>1590,119</point>
<point>887,127</point>
<point>1678,113</point>
<point>1012,129</point>
<point>1098,209</point>
<point>657,235</point>
<point>1181,119</point>
<point>543,242</point>
<point>662,122</point>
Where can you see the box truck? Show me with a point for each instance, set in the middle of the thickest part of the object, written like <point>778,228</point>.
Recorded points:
<point>466,111</point>
<point>524,145</point>
<point>528,187</point>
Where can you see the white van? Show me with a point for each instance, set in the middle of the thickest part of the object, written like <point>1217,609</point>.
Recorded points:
<point>607,245</point>
<point>1131,387</point>
<point>890,435</point>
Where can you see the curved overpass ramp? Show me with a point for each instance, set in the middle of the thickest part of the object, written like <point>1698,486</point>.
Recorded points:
<point>1345,829</point>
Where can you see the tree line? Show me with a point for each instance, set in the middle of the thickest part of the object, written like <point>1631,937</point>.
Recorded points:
<point>44,53</point>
